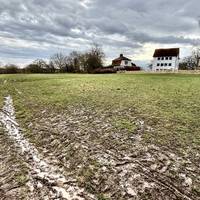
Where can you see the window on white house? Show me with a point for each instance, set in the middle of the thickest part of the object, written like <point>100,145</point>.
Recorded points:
<point>162,58</point>
<point>126,62</point>
<point>161,64</point>
<point>170,64</point>
<point>170,58</point>
<point>158,58</point>
<point>165,64</point>
<point>166,58</point>
<point>158,64</point>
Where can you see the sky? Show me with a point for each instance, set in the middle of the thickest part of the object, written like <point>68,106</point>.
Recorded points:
<point>36,29</point>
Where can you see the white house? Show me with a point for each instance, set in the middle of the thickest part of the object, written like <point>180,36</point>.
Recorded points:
<point>166,59</point>
<point>122,62</point>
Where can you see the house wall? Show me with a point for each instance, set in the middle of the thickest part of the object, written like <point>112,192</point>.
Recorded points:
<point>123,63</point>
<point>174,64</point>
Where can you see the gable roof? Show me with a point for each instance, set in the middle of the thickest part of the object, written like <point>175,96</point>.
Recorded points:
<point>121,57</point>
<point>166,52</point>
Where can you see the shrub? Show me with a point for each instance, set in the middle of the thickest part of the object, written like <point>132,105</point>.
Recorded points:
<point>105,70</point>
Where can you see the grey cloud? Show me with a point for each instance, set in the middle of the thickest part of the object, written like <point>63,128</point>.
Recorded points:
<point>67,23</point>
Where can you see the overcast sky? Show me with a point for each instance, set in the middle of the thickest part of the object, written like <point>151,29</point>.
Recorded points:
<point>38,28</point>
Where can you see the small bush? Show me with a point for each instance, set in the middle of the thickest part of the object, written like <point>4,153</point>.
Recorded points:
<point>104,70</point>
<point>133,68</point>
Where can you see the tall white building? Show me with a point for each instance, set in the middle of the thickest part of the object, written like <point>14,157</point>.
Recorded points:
<point>166,59</point>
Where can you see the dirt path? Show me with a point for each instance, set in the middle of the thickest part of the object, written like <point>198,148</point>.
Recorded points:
<point>42,175</point>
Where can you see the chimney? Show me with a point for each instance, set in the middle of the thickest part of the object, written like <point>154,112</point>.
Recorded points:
<point>121,55</point>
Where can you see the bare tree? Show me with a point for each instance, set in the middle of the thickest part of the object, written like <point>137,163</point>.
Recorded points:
<point>95,58</point>
<point>59,61</point>
<point>44,66</point>
<point>196,57</point>
<point>187,63</point>
<point>74,61</point>
<point>191,62</point>
<point>41,63</point>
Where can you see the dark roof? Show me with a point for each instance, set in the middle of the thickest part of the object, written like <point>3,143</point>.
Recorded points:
<point>121,57</point>
<point>166,52</point>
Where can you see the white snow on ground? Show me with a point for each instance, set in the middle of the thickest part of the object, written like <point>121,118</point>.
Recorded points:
<point>41,170</point>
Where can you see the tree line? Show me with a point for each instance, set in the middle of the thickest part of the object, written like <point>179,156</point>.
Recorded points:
<point>75,62</point>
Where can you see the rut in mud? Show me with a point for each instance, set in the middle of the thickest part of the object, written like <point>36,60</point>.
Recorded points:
<point>115,163</point>
<point>42,175</point>
<point>106,162</point>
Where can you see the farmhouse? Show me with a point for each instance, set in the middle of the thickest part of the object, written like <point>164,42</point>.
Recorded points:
<point>124,63</point>
<point>121,62</point>
<point>166,59</point>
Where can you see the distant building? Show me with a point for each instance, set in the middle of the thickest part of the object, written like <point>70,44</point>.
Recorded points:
<point>166,59</point>
<point>124,63</point>
<point>121,62</point>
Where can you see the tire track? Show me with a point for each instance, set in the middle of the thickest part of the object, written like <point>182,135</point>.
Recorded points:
<point>156,178</point>
<point>41,172</point>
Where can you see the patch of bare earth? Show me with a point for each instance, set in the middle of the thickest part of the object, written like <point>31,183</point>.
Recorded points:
<point>112,163</point>
<point>13,171</point>
<point>43,179</point>
<point>80,154</point>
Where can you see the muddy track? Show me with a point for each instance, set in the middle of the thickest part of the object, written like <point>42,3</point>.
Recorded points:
<point>155,177</point>
<point>136,172</point>
<point>42,175</point>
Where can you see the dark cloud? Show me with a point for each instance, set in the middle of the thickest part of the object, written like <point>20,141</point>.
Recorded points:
<point>44,27</point>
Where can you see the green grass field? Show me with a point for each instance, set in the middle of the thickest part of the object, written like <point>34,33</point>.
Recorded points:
<point>168,104</point>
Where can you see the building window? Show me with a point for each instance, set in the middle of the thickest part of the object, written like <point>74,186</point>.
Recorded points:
<point>170,64</point>
<point>126,62</point>
<point>165,64</point>
<point>161,64</point>
<point>162,58</point>
<point>158,64</point>
<point>158,58</point>
<point>170,58</point>
<point>166,58</point>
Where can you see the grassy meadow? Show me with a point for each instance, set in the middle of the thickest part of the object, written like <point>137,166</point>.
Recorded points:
<point>64,114</point>
<point>170,103</point>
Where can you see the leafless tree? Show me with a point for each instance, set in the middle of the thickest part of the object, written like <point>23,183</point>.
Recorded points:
<point>41,63</point>
<point>59,61</point>
<point>187,63</point>
<point>74,61</point>
<point>95,57</point>
<point>191,62</point>
<point>196,57</point>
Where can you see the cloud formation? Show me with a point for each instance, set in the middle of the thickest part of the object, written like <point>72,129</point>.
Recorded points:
<point>36,29</point>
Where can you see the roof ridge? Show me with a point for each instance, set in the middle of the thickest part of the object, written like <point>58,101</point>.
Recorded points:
<point>166,52</point>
